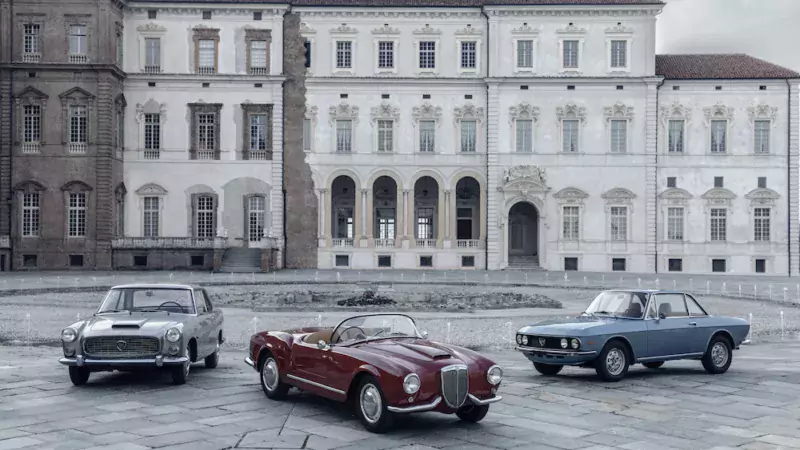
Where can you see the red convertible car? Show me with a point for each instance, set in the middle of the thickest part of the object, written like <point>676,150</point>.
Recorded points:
<point>382,364</point>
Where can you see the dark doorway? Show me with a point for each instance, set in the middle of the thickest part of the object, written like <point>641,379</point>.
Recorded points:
<point>523,233</point>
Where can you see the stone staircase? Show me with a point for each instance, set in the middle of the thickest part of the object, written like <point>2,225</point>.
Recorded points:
<point>241,260</point>
<point>524,263</point>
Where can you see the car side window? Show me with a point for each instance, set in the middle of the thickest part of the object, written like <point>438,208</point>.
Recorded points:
<point>694,308</point>
<point>200,302</point>
<point>671,305</point>
<point>209,306</point>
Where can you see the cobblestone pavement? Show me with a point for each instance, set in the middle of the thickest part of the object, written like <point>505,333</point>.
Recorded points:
<point>756,405</point>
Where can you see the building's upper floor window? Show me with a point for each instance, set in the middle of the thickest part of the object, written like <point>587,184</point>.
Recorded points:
<point>719,136</point>
<point>258,57</point>
<point>386,55</point>
<point>77,214</point>
<point>307,45</point>
<point>675,223</point>
<point>31,128</point>
<point>570,54</point>
<point>344,135</point>
<point>427,135</point>
<point>427,55</point>
<point>30,214</point>
<point>152,55</point>
<point>78,44</point>
<point>385,136</point>
<point>619,136</point>
<point>525,54</point>
<point>524,135</point>
<point>619,54</point>
<point>206,57</point>
<point>469,55</point>
<point>31,42</point>
<point>78,123</point>
<point>469,136</point>
<point>761,225</point>
<point>570,129</point>
<point>675,136</point>
<point>719,224</point>
<point>570,230</point>
<point>344,54</point>
<point>152,135</point>
<point>761,137</point>
<point>151,217</point>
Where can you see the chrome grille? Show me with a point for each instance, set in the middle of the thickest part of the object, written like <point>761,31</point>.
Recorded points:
<point>121,347</point>
<point>455,385</point>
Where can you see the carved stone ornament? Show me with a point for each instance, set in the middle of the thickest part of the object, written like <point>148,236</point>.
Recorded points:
<point>571,111</point>
<point>718,112</point>
<point>571,193</point>
<point>676,111</point>
<point>719,194</point>
<point>762,112</point>
<point>618,194</point>
<point>311,112</point>
<point>151,107</point>
<point>427,112</point>
<point>524,111</point>
<point>427,29</point>
<point>468,112</point>
<point>762,197</point>
<point>618,111</point>
<point>151,28</point>
<point>386,30</point>
<point>205,32</point>
<point>385,111</point>
<point>343,111</point>
<point>526,172</point>
<point>305,29</point>
<point>676,195</point>
<point>572,29</point>
<point>525,29</point>
<point>469,30</point>
<point>151,189</point>
<point>619,29</point>
<point>344,29</point>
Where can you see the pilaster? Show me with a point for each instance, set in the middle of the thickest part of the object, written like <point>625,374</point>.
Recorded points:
<point>794,180</point>
<point>104,171</point>
<point>491,221</point>
<point>651,176</point>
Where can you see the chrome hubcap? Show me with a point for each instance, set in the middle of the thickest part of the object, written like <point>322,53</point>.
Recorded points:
<point>719,354</point>
<point>371,404</point>
<point>269,374</point>
<point>615,361</point>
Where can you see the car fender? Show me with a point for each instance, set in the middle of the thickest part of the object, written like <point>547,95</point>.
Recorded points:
<point>624,339</point>
<point>726,333</point>
<point>275,343</point>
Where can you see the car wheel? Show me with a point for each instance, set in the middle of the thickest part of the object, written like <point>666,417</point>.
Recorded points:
<point>473,413</point>
<point>271,379</point>
<point>181,373</point>
<point>719,356</point>
<point>653,365</point>
<point>547,369</point>
<point>612,364</point>
<point>78,375</point>
<point>371,407</point>
<point>213,359</point>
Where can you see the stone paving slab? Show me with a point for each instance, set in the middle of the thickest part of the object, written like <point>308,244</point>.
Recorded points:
<point>756,405</point>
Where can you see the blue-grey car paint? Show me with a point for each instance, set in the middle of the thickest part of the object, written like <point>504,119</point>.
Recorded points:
<point>650,339</point>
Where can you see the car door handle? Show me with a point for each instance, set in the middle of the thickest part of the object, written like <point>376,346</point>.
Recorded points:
<point>694,324</point>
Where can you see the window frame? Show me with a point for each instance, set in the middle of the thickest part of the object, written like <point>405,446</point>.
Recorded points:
<point>610,54</point>
<point>460,42</point>
<point>436,55</point>
<point>720,229</point>
<point>151,31</point>
<point>624,216</point>
<point>724,145</point>
<point>534,42</point>
<point>579,44</point>
<point>82,40</point>
<point>201,34</point>
<point>426,112</point>
<point>377,42</point>
<point>762,233</point>
<point>197,110</point>
<point>574,233</point>
<point>152,213</point>
<point>335,55</point>
<point>249,111</point>
<point>34,53</point>
<point>250,38</point>
<point>35,214</point>
<point>682,143</point>
<point>84,220</point>
<point>669,221</point>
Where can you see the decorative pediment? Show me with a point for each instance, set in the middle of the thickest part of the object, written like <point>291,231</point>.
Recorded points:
<point>151,28</point>
<point>343,111</point>
<point>76,185</point>
<point>311,112</point>
<point>676,111</point>
<point>76,93</point>
<point>427,29</point>
<point>29,186</point>
<point>571,111</point>
<point>31,93</point>
<point>305,29</point>
<point>762,112</point>
<point>427,112</point>
<point>762,194</point>
<point>386,30</point>
<point>469,30</point>
<point>257,34</point>
<point>468,112</point>
<point>385,111</point>
<point>151,189</point>
<point>571,193</point>
<point>619,28</point>
<point>524,179</point>
<point>525,29</point>
<point>572,29</point>
<point>205,32</point>
<point>719,193</point>
<point>618,111</point>
<point>718,112</point>
<point>524,111</point>
<point>675,194</point>
<point>617,194</point>
<point>344,29</point>
<point>151,107</point>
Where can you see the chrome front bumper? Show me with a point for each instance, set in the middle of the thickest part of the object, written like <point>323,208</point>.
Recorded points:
<point>158,361</point>
<point>249,361</point>
<point>554,352</point>
<point>433,404</point>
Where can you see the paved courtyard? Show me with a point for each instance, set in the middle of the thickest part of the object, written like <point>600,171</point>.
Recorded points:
<point>756,405</point>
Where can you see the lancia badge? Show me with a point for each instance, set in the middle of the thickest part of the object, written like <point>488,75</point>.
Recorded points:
<point>541,342</point>
<point>121,345</point>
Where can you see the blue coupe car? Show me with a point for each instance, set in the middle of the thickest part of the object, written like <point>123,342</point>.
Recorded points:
<point>624,327</point>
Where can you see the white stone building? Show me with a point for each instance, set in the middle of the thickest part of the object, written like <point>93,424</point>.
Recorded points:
<point>203,133</point>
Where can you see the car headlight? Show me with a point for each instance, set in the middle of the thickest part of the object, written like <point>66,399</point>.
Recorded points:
<point>68,335</point>
<point>575,344</point>
<point>494,375</point>
<point>411,383</point>
<point>524,340</point>
<point>519,339</point>
<point>564,343</point>
<point>174,334</point>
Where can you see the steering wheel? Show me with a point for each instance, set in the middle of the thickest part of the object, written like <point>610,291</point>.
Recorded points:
<point>167,303</point>
<point>342,333</point>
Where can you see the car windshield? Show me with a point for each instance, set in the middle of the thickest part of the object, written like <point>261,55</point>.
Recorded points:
<point>361,328</point>
<point>144,299</point>
<point>618,304</point>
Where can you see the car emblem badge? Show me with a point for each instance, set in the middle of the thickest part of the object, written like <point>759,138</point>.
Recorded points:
<point>121,345</point>
<point>541,342</point>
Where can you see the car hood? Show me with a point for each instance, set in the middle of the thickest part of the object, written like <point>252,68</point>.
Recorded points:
<point>124,323</point>
<point>560,327</point>
<point>416,353</point>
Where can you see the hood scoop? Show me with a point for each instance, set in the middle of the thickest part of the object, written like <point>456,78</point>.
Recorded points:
<point>128,325</point>
<point>431,352</point>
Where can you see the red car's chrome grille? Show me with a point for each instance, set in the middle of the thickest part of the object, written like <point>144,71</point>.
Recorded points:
<point>121,347</point>
<point>455,385</point>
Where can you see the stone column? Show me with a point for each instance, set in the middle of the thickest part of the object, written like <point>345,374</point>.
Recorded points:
<point>327,210</point>
<point>651,176</point>
<point>482,216</point>
<point>411,222</point>
<point>370,214</point>
<point>490,223</point>
<point>441,217</point>
<point>361,219</point>
<point>401,212</point>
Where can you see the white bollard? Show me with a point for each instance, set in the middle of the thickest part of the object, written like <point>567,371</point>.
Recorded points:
<point>585,281</point>
<point>423,277</point>
<point>724,290</point>
<point>770,292</point>
<point>708,287</point>
<point>447,339</point>
<point>603,280</point>
<point>319,320</point>
<point>691,285</point>
<point>639,283</point>
<point>255,324</point>
<point>749,337</point>
<point>547,277</point>
<point>674,284</point>
<point>28,331</point>
<point>658,283</point>
<point>566,278</point>
<point>740,290</point>
<point>782,325</point>
<point>785,294</point>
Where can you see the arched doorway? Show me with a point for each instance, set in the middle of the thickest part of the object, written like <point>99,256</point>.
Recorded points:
<point>342,217</point>
<point>523,234</point>
<point>384,202</point>
<point>426,211</point>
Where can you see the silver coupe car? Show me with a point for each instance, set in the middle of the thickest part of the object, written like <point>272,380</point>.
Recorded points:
<point>624,327</point>
<point>144,326</point>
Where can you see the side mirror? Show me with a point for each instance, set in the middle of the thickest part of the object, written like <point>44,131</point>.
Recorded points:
<point>322,345</point>
<point>662,316</point>
<point>424,335</point>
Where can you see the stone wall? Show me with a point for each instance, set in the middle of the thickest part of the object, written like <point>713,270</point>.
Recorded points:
<point>171,259</point>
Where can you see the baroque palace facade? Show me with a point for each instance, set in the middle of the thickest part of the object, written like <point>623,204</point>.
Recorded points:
<point>369,134</point>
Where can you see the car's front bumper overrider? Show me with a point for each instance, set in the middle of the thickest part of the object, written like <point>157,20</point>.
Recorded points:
<point>158,361</point>
<point>434,404</point>
<point>554,352</point>
<point>249,361</point>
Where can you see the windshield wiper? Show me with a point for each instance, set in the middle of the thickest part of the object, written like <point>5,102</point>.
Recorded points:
<point>150,310</point>
<point>112,311</point>
<point>605,313</point>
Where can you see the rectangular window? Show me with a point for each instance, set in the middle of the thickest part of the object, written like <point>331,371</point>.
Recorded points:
<point>206,135</point>
<point>675,137</point>
<point>151,216</point>
<point>619,136</point>
<point>385,136</point>
<point>385,223</point>
<point>206,57</point>
<point>426,261</point>
<point>77,40</point>
<point>427,55</point>
<point>344,224</point>
<point>77,124</point>
<point>427,135</point>
<point>205,217</point>
<point>675,224</point>
<point>258,57</point>
<point>719,265</point>
<point>30,214</point>
<point>571,229</point>
<point>525,54</point>
<point>570,56</point>
<point>425,223</point>
<point>152,58</point>
<point>344,54</point>
<point>571,264</point>
<point>469,136</point>
<point>524,135</point>
<point>307,45</point>
<point>762,182</point>
<point>619,223</point>
<point>344,135</point>
<point>761,224</point>
<point>384,261</point>
<point>307,137</point>
<point>342,260</point>
<point>719,182</point>
<point>30,41</point>
<point>719,136</point>
<point>675,265</point>
<point>32,124</point>
<point>77,214</point>
<point>469,55</point>
<point>152,133</point>
<point>761,137</point>
<point>719,225</point>
<point>618,264</point>
<point>259,132</point>
<point>256,210</point>
<point>672,182</point>
<point>569,137</point>
<point>386,55</point>
<point>619,54</point>
<point>467,261</point>
<point>761,266</point>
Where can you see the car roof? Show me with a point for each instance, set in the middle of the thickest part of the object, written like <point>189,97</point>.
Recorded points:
<point>156,286</point>
<point>647,291</point>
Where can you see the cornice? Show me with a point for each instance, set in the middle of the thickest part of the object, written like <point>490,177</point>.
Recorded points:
<point>223,78</point>
<point>574,11</point>
<point>389,13</point>
<point>240,10</point>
